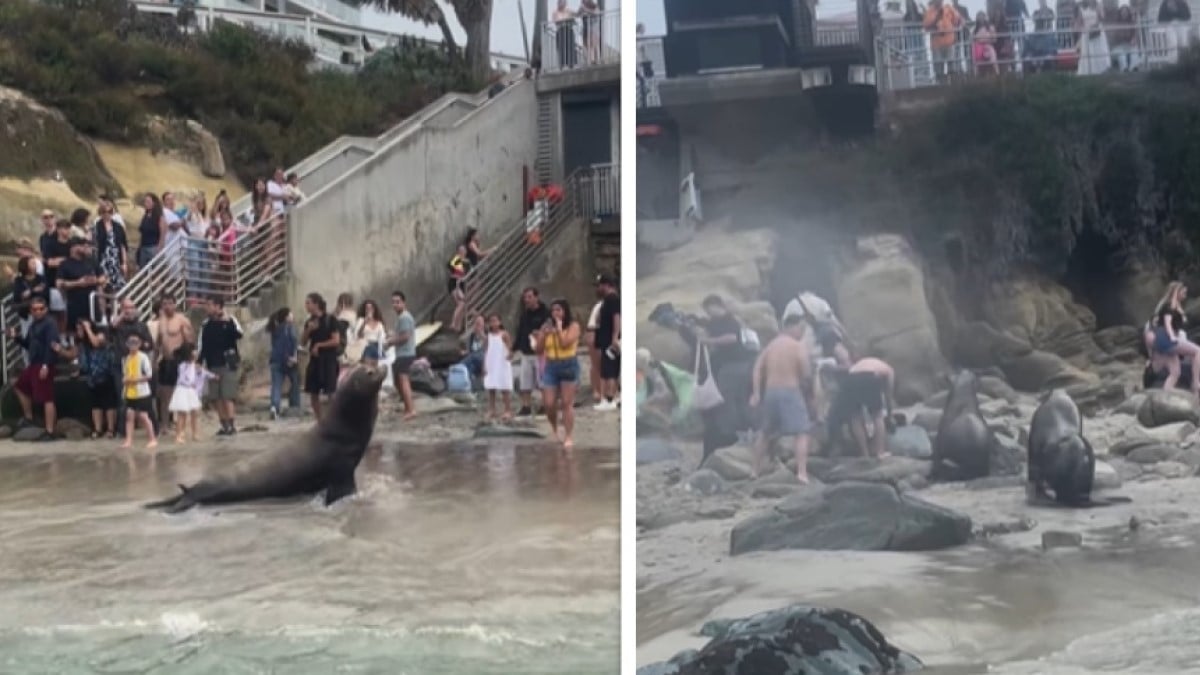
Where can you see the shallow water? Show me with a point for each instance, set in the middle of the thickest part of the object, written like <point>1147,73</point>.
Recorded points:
<point>497,558</point>
<point>1129,603</point>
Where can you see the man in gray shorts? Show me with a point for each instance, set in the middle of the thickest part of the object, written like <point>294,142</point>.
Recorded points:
<point>404,339</point>
<point>782,383</point>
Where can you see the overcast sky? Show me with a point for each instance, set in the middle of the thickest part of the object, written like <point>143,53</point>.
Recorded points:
<point>506,23</point>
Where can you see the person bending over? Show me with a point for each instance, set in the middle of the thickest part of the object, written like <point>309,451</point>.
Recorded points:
<point>864,397</point>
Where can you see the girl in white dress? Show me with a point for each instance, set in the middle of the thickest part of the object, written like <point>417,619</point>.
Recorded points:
<point>185,402</point>
<point>497,369</point>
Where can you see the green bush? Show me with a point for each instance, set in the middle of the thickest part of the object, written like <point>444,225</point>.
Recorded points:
<point>108,68</point>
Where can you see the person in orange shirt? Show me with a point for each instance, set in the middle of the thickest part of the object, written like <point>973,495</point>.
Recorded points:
<point>943,23</point>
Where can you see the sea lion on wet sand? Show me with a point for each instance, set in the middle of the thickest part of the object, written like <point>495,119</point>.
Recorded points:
<point>324,459</point>
<point>1060,457</point>
<point>963,447</point>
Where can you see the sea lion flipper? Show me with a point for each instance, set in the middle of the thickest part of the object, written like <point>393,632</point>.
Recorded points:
<point>339,489</point>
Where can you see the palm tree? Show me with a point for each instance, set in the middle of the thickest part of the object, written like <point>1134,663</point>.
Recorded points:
<point>475,16</point>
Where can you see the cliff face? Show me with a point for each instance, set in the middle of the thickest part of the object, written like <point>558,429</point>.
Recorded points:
<point>1041,219</point>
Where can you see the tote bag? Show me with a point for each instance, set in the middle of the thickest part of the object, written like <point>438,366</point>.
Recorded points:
<point>706,396</point>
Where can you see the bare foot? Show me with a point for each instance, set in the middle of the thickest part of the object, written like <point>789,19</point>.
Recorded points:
<point>568,443</point>
<point>179,440</point>
<point>883,455</point>
<point>127,444</point>
<point>152,444</point>
<point>802,477</point>
<point>410,415</point>
<point>196,437</point>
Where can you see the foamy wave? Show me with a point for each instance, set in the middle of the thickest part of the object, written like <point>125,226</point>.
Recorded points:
<point>185,625</point>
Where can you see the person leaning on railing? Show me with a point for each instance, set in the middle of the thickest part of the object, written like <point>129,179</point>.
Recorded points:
<point>943,23</point>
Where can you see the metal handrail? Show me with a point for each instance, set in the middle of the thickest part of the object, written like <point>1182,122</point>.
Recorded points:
<point>494,276</point>
<point>564,46</point>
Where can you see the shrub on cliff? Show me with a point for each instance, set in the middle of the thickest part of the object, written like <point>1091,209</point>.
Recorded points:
<point>108,68</point>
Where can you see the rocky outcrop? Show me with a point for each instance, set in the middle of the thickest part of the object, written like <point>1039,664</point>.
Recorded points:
<point>881,299</point>
<point>732,264</point>
<point>1043,314</point>
<point>791,641</point>
<point>852,516</point>
<point>212,160</point>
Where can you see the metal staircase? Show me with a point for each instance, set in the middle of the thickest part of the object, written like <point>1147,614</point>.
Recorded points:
<point>490,284</point>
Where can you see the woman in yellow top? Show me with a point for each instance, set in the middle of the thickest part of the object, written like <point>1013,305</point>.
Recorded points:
<point>558,341</point>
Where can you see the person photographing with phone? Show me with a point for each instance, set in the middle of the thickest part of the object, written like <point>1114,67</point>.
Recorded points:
<point>558,341</point>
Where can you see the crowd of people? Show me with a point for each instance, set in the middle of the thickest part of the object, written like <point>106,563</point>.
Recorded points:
<point>1088,36</point>
<point>781,392</point>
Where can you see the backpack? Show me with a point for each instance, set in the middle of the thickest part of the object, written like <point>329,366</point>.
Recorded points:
<point>458,379</point>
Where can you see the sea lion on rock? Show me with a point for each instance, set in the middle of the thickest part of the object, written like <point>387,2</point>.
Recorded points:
<point>324,459</point>
<point>963,447</point>
<point>1060,458</point>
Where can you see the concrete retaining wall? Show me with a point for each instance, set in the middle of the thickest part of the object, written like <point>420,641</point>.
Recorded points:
<point>392,221</point>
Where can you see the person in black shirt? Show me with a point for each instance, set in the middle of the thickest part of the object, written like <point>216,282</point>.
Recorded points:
<point>152,230</point>
<point>1170,343</point>
<point>534,315</point>
<point>608,340</point>
<point>322,336</point>
<point>218,347</point>
<point>36,382</point>
<point>79,277</point>
<point>28,285</point>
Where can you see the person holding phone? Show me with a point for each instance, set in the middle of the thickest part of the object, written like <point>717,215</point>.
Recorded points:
<point>558,341</point>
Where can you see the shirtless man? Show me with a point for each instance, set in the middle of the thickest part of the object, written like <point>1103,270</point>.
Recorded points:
<point>783,385</point>
<point>172,331</point>
<point>865,395</point>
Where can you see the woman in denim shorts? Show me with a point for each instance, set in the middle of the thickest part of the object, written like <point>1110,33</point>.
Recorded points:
<point>558,342</point>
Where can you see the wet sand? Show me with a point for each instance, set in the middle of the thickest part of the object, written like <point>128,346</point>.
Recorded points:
<point>495,555</point>
<point>996,601</point>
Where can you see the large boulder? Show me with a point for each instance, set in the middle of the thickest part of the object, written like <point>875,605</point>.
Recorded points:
<point>852,516</point>
<point>881,295</point>
<point>733,264</point>
<point>212,160</point>
<point>795,640</point>
<point>1042,313</point>
<point>1165,407</point>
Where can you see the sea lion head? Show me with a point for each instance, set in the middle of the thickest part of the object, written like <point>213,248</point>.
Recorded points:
<point>356,401</point>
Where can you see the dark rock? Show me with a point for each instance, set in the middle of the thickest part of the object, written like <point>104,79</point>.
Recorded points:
<point>852,516</point>
<point>995,482</point>
<point>820,466</point>
<point>1164,407</point>
<point>1105,477</point>
<point>1126,470</point>
<point>1125,446</point>
<point>506,431</point>
<point>889,470</point>
<point>72,430</point>
<point>425,381</point>
<point>910,441</point>
<point>705,482</point>
<point>1052,539</point>
<point>1131,405</point>
<point>732,463</point>
<point>1189,456</point>
<point>251,428</point>
<point>655,450</point>
<point>656,520</point>
<point>791,641</point>
<point>441,350</point>
<point>938,400</point>
<point>1151,454</point>
<point>28,433</point>
<point>1118,338</point>
<point>5,431</point>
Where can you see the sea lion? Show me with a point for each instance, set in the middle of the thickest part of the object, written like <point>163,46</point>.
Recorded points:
<point>324,459</point>
<point>1060,458</point>
<point>963,447</point>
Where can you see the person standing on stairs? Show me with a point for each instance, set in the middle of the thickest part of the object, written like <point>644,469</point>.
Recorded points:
<point>608,342</point>
<point>534,314</point>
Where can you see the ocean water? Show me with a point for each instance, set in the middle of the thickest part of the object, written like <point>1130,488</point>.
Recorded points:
<point>495,558</point>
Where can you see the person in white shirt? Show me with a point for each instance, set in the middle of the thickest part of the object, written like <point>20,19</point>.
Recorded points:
<point>277,190</point>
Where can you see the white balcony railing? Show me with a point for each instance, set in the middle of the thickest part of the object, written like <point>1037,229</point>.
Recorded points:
<point>599,191</point>
<point>585,41</point>
<point>907,59</point>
